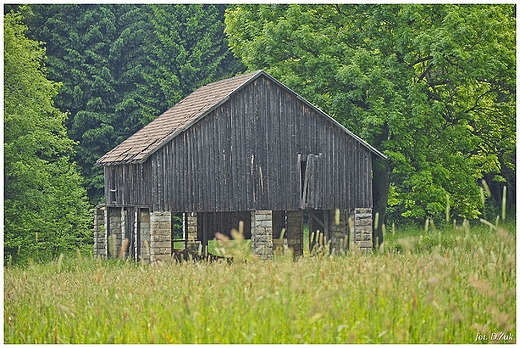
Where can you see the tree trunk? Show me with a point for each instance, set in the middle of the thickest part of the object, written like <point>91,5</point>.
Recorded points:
<point>380,188</point>
<point>381,169</point>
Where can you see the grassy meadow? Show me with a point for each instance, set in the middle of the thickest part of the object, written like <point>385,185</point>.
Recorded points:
<point>451,285</point>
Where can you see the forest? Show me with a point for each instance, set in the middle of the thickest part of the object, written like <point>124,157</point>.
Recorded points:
<point>433,87</point>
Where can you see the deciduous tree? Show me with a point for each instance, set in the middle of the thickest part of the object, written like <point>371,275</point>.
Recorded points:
<point>45,206</point>
<point>432,86</point>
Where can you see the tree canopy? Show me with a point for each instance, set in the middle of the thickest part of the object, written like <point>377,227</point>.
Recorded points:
<point>45,207</point>
<point>432,86</point>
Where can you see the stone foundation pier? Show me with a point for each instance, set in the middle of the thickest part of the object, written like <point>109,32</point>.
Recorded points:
<point>262,233</point>
<point>363,228</point>
<point>160,236</point>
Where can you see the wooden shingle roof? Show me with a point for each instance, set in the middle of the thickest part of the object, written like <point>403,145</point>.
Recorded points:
<point>144,142</point>
<point>138,147</point>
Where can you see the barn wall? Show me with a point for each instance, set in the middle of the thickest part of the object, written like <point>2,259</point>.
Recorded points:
<point>129,184</point>
<point>244,156</point>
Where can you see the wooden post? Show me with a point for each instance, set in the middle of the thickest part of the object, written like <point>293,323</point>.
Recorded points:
<point>295,232</point>
<point>326,221</point>
<point>205,233</point>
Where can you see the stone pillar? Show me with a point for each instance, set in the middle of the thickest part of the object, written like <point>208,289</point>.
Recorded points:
<point>338,231</point>
<point>262,233</point>
<point>295,232</point>
<point>144,235</point>
<point>160,236</point>
<point>116,230</point>
<point>100,235</point>
<point>363,228</point>
<point>190,230</point>
<point>122,230</point>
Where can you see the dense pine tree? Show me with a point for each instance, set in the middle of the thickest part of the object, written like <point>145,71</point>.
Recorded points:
<point>123,65</point>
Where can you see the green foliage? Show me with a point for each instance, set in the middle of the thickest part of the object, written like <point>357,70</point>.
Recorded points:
<point>178,226</point>
<point>427,294</point>
<point>187,48</point>
<point>45,206</point>
<point>122,65</point>
<point>432,86</point>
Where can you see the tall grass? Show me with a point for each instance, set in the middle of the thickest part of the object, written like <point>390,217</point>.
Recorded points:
<point>446,288</point>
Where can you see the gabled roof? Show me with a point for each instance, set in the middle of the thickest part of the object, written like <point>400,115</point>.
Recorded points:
<point>188,111</point>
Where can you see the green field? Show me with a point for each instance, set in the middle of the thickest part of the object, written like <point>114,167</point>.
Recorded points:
<point>439,286</point>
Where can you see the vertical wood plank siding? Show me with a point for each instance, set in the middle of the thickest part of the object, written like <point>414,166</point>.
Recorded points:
<point>244,156</point>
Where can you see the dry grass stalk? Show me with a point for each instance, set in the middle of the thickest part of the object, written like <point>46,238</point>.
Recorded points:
<point>504,200</point>
<point>123,248</point>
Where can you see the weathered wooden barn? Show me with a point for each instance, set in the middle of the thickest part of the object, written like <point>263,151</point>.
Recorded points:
<point>242,149</point>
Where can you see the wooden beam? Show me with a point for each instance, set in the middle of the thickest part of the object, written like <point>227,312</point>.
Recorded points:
<point>312,215</point>
<point>326,220</point>
<point>205,233</point>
